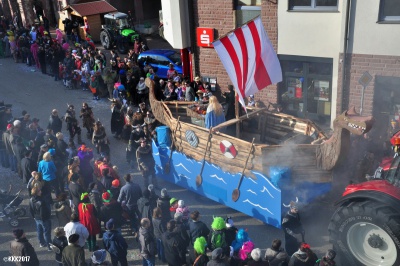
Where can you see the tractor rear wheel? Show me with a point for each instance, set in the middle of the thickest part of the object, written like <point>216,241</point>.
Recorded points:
<point>105,39</point>
<point>366,233</point>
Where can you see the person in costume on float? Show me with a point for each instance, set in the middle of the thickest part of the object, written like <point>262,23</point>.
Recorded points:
<point>293,229</point>
<point>215,114</point>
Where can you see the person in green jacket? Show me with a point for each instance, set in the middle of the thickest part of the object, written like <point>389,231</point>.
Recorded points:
<point>73,254</point>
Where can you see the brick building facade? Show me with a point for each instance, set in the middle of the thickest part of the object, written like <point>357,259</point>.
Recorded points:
<point>221,15</point>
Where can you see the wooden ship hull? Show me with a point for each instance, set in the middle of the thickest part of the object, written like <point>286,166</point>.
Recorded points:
<point>281,165</point>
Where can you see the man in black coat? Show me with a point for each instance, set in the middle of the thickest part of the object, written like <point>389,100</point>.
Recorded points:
<point>42,59</point>
<point>27,166</point>
<point>196,227</point>
<point>55,122</point>
<point>293,229</point>
<point>146,163</point>
<point>50,139</point>
<point>173,246</point>
<point>75,191</point>
<point>21,247</point>
<point>163,203</point>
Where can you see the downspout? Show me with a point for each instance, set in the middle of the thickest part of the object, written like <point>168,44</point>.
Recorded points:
<point>345,48</point>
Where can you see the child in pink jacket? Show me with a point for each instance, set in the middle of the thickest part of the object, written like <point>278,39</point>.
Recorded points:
<point>184,210</point>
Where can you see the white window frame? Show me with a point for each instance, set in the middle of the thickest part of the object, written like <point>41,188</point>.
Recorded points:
<point>383,18</point>
<point>313,7</point>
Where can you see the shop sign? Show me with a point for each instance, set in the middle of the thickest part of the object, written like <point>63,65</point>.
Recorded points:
<point>205,37</point>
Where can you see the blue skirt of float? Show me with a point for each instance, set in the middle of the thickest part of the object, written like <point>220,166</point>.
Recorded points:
<point>163,136</point>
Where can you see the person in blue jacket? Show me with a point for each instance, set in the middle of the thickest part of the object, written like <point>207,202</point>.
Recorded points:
<point>115,244</point>
<point>48,170</point>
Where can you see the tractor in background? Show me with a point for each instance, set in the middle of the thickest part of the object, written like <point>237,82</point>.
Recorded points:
<point>365,228</point>
<point>117,31</point>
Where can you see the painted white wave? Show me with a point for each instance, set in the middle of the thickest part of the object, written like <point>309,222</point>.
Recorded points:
<point>258,205</point>
<point>190,160</point>
<point>252,180</point>
<point>219,178</point>
<point>251,191</point>
<point>215,166</point>
<point>160,155</point>
<point>180,175</point>
<point>266,179</point>
<point>266,190</point>
<point>181,165</point>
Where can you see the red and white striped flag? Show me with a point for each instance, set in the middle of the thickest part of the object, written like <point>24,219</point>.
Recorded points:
<point>249,59</point>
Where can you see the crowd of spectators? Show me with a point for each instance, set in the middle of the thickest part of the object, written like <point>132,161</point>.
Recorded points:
<point>88,199</point>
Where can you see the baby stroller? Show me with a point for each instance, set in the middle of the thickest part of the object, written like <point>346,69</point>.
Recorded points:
<point>10,207</point>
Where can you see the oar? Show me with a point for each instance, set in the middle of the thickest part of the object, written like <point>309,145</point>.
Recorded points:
<point>167,165</point>
<point>236,192</point>
<point>199,178</point>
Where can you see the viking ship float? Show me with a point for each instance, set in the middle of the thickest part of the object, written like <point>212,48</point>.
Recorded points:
<point>276,158</point>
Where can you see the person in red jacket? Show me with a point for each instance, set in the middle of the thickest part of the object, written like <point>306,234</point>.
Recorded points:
<point>87,217</point>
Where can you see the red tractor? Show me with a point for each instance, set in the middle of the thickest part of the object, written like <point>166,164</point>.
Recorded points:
<point>365,228</point>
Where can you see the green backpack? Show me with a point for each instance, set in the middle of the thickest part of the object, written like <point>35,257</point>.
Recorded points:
<point>218,240</point>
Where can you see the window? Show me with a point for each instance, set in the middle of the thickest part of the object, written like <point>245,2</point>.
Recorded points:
<point>389,10</point>
<point>246,10</point>
<point>317,5</point>
<point>306,90</point>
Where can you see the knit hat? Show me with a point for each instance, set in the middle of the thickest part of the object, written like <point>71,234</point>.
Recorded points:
<point>256,254</point>
<point>18,233</point>
<point>181,203</point>
<point>172,201</point>
<point>229,222</point>
<point>17,123</point>
<point>9,126</point>
<point>99,256</point>
<point>115,183</point>
<point>73,238</point>
<point>52,152</point>
<point>164,192</point>
<point>110,224</point>
<point>106,196</point>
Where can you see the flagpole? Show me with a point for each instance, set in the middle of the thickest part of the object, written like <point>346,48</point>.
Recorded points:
<point>237,28</point>
<point>237,115</point>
